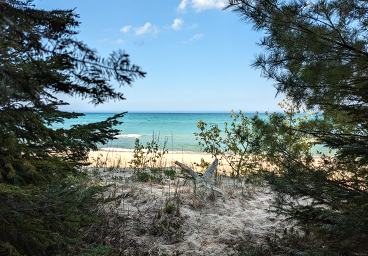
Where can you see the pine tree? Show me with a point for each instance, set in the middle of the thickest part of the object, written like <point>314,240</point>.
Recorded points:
<point>44,200</point>
<point>316,51</point>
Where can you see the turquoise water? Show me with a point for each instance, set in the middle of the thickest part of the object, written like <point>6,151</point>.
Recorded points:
<point>177,128</point>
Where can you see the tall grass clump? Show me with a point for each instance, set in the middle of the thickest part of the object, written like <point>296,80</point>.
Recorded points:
<point>150,155</point>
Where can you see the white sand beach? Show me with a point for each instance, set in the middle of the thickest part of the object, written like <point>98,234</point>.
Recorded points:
<point>203,222</point>
<point>122,158</point>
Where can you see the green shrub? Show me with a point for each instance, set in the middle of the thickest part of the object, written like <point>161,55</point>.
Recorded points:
<point>143,176</point>
<point>171,174</point>
<point>155,170</point>
<point>169,227</point>
<point>169,208</point>
<point>316,54</point>
<point>291,243</point>
<point>151,155</point>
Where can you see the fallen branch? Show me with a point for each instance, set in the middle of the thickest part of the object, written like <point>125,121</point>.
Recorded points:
<point>205,178</point>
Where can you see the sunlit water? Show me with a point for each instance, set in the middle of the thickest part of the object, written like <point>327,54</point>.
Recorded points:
<point>177,129</point>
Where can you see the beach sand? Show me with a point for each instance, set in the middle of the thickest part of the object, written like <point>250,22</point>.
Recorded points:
<point>204,222</point>
<point>122,159</point>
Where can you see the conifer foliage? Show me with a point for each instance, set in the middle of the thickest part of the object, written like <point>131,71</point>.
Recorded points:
<point>316,52</point>
<point>44,199</point>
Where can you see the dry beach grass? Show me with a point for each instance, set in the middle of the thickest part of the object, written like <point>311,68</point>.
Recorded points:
<point>162,212</point>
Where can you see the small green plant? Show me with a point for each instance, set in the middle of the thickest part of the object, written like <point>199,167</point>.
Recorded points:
<point>169,208</point>
<point>154,153</point>
<point>155,170</point>
<point>203,164</point>
<point>139,157</point>
<point>169,227</point>
<point>117,178</point>
<point>171,174</point>
<point>143,176</point>
<point>151,155</point>
<point>233,144</point>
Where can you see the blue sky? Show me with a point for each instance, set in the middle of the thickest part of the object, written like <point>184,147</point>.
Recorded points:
<point>197,56</point>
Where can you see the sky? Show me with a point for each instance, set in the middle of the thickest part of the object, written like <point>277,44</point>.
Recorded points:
<point>197,56</point>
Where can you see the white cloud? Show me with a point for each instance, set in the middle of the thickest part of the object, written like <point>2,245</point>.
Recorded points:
<point>155,30</point>
<point>178,23</point>
<point>125,28</point>
<point>144,29</point>
<point>103,40</point>
<point>197,36</point>
<point>200,5</point>
<point>119,41</point>
<point>193,26</point>
<point>182,5</point>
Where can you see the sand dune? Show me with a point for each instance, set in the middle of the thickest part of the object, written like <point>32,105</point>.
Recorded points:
<point>203,221</point>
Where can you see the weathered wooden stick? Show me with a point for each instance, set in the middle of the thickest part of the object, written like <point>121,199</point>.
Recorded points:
<point>205,177</point>
<point>214,188</point>
<point>207,174</point>
<point>211,169</point>
<point>188,170</point>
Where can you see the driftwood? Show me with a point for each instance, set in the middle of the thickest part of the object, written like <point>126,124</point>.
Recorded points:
<point>205,178</point>
<point>206,175</point>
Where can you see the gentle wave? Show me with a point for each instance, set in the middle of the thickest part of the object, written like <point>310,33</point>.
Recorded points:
<point>129,135</point>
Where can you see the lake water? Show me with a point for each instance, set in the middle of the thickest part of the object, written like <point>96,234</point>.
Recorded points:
<point>176,128</point>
